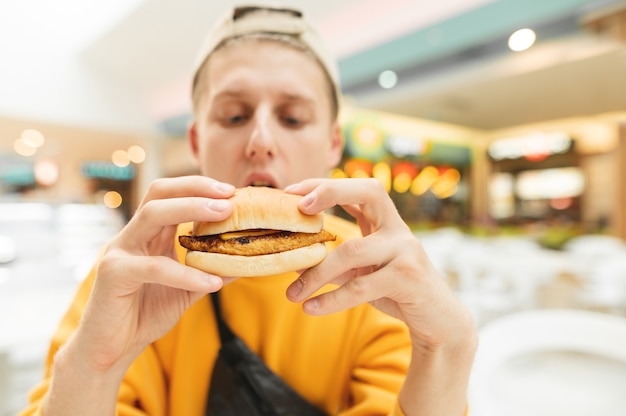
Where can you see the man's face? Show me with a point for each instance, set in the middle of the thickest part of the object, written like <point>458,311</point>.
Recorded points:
<point>265,118</point>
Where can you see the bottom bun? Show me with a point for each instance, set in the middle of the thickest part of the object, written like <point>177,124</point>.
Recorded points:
<point>254,266</point>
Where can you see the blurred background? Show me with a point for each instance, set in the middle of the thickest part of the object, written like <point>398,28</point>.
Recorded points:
<point>498,128</point>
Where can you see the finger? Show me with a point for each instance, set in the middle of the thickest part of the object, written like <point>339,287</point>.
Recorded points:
<point>357,214</point>
<point>158,270</point>
<point>368,194</point>
<point>186,186</point>
<point>354,292</point>
<point>305,187</point>
<point>339,266</point>
<point>157,214</point>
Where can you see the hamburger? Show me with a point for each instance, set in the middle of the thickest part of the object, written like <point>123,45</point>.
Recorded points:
<point>266,234</point>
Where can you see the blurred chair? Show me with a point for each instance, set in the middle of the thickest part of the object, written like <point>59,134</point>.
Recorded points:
<point>604,287</point>
<point>550,362</point>
<point>8,250</point>
<point>594,244</point>
<point>4,379</point>
<point>440,245</point>
<point>501,275</point>
<point>586,252</point>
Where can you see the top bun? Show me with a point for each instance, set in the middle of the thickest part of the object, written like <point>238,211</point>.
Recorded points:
<point>263,208</point>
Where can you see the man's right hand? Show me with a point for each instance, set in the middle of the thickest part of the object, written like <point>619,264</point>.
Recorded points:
<point>140,292</point>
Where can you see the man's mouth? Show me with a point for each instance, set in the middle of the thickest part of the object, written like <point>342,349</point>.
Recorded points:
<point>262,183</point>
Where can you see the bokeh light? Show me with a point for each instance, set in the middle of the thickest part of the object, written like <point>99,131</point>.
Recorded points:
<point>46,172</point>
<point>387,79</point>
<point>32,138</point>
<point>522,39</point>
<point>382,172</point>
<point>136,154</point>
<point>112,199</point>
<point>120,158</point>
<point>23,149</point>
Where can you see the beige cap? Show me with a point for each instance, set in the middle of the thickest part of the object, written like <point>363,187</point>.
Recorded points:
<point>260,19</point>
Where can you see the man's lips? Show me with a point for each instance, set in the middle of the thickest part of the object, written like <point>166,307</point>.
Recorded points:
<point>261,179</point>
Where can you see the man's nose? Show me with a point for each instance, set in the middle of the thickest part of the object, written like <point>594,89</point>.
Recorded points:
<point>261,144</point>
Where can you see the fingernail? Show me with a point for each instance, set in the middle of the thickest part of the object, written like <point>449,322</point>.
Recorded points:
<point>218,205</point>
<point>212,280</point>
<point>295,288</point>
<point>308,199</point>
<point>224,187</point>
<point>312,304</point>
<point>292,187</point>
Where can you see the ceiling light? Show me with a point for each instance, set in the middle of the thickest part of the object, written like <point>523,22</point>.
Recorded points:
<point>522,39</point>
<point>387,79</point>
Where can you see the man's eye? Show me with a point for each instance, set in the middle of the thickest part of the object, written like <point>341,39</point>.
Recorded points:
<point>292,121</point>
<point>238,119</point>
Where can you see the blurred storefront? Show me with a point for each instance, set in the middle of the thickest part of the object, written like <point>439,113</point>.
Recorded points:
<point>562,173</point>
<point>60,164</point>
<point>425,166</point>
<point>535,177</point>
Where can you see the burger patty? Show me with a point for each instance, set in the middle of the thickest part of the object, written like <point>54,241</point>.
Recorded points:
<point>254,245</point>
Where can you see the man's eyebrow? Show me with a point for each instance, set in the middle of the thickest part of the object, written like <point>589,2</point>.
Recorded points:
<point>230,93</point>
<point>291,96</point>
<point>239,93</point>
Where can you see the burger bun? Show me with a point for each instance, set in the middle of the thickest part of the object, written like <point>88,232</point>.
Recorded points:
<point>263,208</point>
<point>229,265</point>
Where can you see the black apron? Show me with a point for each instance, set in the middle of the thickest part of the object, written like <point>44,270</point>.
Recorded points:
<point>242,385</point>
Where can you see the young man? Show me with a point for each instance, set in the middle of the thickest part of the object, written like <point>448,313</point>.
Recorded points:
<point>141,337</point>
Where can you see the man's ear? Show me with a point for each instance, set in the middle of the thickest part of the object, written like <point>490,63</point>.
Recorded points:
<point>192,136</point>
<point>336,146</point>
